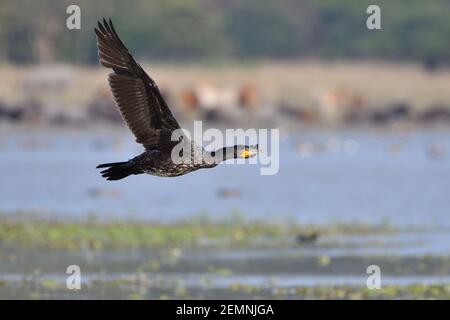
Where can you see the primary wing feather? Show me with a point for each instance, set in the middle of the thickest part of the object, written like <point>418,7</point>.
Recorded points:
<point>136,94</point>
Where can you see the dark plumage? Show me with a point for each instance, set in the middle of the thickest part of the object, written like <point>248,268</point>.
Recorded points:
<point>149,118</point>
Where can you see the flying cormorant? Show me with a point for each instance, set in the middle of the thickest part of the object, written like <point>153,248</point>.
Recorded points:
<point>149,118</point>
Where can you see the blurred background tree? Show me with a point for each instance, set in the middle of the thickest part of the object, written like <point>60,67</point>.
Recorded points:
<point>198,30</point>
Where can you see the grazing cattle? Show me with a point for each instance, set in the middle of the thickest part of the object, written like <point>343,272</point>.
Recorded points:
<point>248,97</point>
<point>340,104</point>
<point>212,99</point>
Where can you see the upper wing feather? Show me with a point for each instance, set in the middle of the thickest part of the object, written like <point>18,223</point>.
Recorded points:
<point>137,96</point>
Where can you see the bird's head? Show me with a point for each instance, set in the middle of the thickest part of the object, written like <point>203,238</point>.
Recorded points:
<point>238,151</point>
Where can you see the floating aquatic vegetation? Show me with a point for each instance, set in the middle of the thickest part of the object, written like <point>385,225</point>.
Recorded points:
<point>95,235</point>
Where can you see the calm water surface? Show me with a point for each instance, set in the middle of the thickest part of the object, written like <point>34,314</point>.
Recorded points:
<point>323,177</point>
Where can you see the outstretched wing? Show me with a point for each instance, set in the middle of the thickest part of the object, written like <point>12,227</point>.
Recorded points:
<point>136,94</point>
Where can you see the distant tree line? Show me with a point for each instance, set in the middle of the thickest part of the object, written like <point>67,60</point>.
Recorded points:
<point>193,30</point>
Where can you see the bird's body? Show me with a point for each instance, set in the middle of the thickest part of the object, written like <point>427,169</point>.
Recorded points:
<point>149,118</point>
<point>159,163</point>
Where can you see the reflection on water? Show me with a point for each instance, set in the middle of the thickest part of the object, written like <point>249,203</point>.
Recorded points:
<point>345,176</point>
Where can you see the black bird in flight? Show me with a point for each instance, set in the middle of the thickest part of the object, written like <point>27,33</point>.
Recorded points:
<point>150,120</point>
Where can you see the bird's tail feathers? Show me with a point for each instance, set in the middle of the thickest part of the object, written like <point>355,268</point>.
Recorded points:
<point>106,165</point>
<point>118,170</point>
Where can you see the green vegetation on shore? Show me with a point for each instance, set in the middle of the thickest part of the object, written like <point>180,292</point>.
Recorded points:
<point>124,234</point>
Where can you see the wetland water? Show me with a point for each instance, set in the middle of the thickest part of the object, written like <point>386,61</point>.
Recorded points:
<point>369,177</point>
<point>397,179</point>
